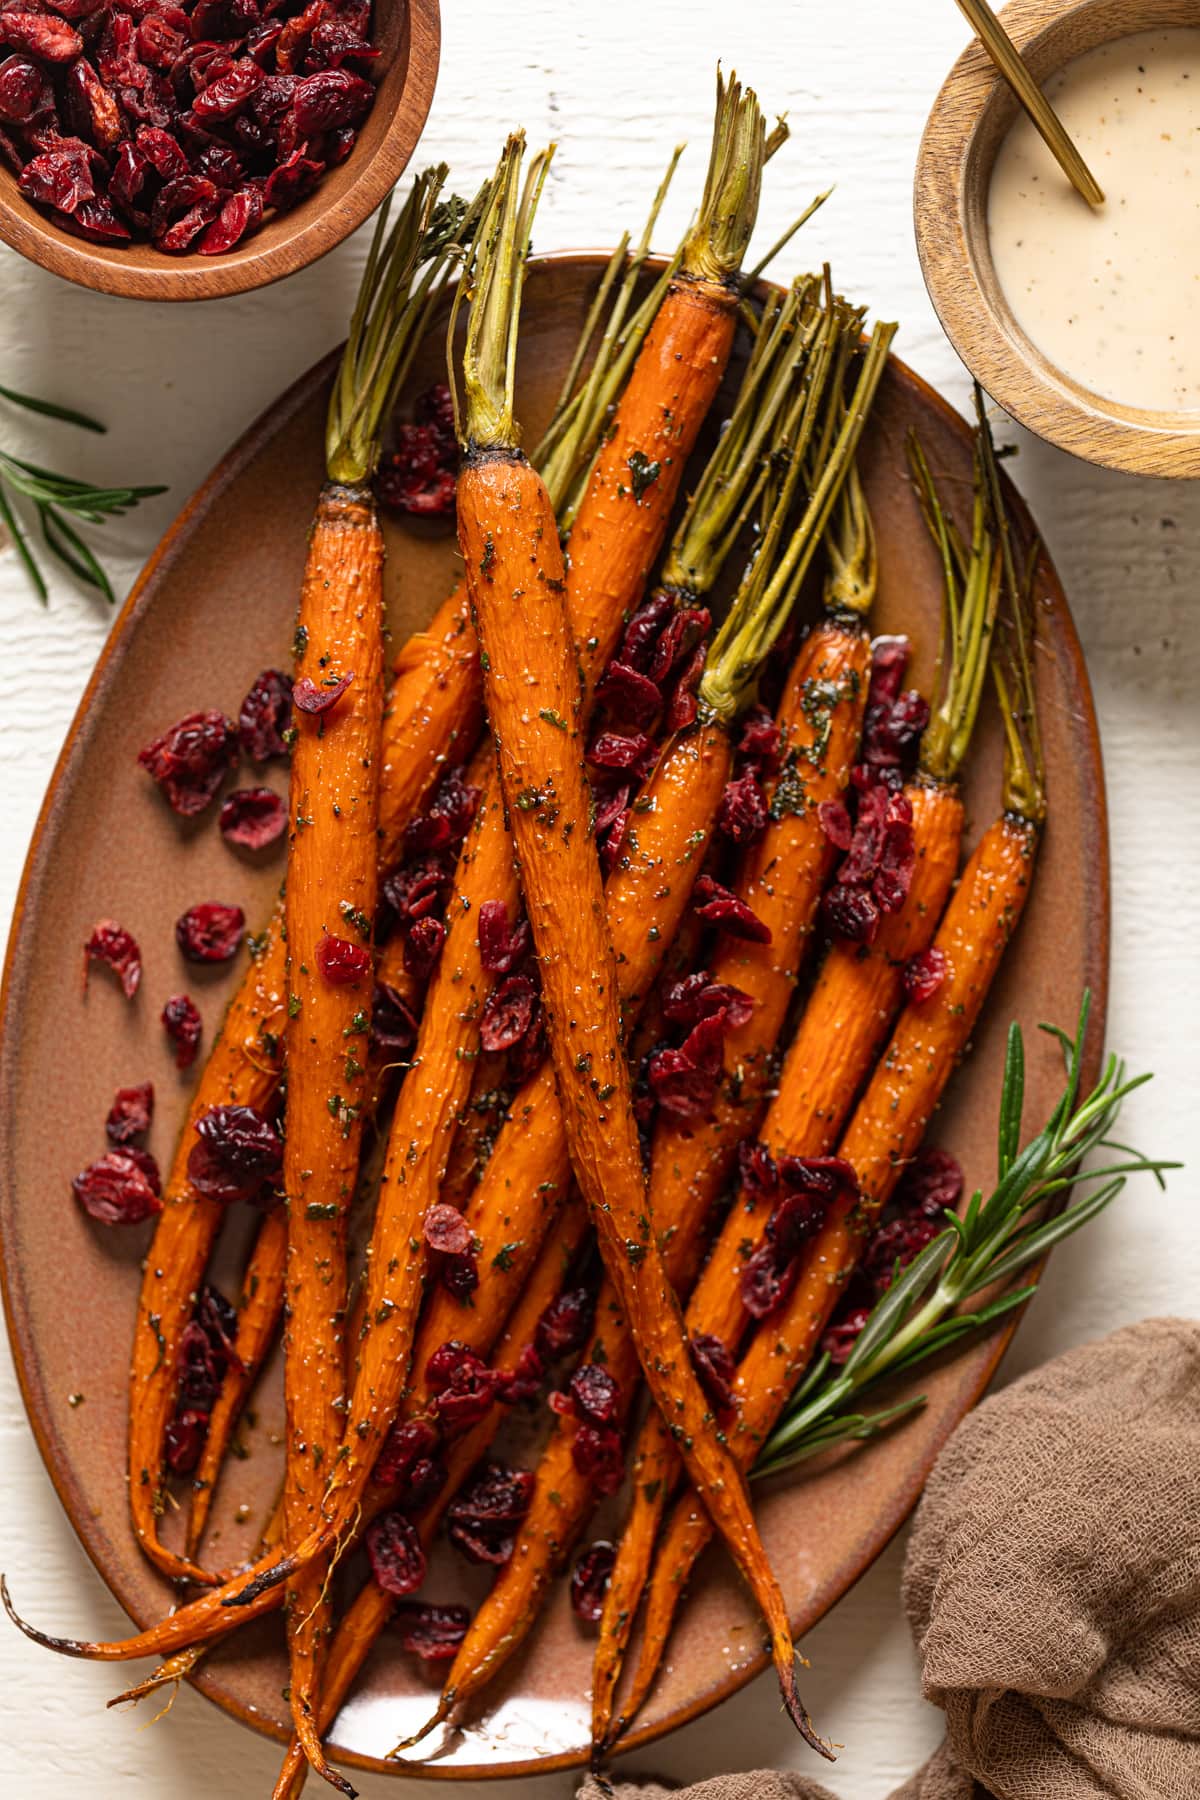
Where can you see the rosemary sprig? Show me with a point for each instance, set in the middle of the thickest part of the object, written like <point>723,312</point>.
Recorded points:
<point>57,499</point>
<point>994,1240</point>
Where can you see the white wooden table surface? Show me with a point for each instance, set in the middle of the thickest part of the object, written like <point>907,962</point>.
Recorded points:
<point>617,87</point>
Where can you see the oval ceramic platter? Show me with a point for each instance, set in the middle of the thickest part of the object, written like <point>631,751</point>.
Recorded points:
<point>215,605</point>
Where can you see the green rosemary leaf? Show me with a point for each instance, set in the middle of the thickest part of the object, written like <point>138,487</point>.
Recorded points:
<point>893,1309</point>
<point>49,410</point>
<point>1012,1099</point>
<point>65,543</point>
<point>22,548</point>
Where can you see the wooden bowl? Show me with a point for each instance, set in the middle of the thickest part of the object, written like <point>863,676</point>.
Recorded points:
<point>970,118</point>
<point>409,34</point>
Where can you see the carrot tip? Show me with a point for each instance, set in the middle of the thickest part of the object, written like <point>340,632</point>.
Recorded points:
<point>798,1714</point>
<point>281,1571</point>
<point>65,1646</point>
<point>445,1706</point>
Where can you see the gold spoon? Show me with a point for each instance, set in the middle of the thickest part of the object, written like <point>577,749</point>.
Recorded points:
<point>1008,60</point>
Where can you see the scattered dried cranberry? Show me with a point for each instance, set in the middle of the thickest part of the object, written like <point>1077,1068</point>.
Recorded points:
<point>684,1081</point>
<point>313,697</point>
<point>698,997</point>
<point>130,1114</point>
<point>628,694</point>
<point>183,1440</point>
<point>597,1453</point>
<point>804,1189</point>
<point>523,1381</point>
<point>119,1189</point>
<point>329,99</point>
<point>931,1184</point>
<point>342,963</point>
<point>597,1396</point>
<point>844,1333</point>
<point>190,759</point>
<point>419,474</point>
<point>423,946</point>
<point>240,215</point>
<point>508,1013</point>
<point>210,932</point>
<point>717,905</point>
<point>893,1246</point>
<point>414,890</point>
<point>407,1464</point>
<point>183,1025</point>
<point>253,818</point>
<point>393,1028</point>
<point>265,715</point>
<point>924,974</point>
<point>612,750</point>
<point>590,1580</point>
<point>394,1548</point>
<point>239,1150</point>
<point>500,949</point>
<point>566,1323</point>
<point>464,1386</point>
<point>446,1231</point>
<point>40,34</point>
<point>743,815</point>
<point>482,1522</point>
<point>431,1632</point>
<point>760,746</point>
<point>25,94</point>
<point>449,817</point>
<point>876,872</point>
<point>110,943</point>
<point>715,1371</point>
<point>893,721</point>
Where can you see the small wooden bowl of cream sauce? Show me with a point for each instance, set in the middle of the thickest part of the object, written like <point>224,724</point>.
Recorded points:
<point>1083,323</point>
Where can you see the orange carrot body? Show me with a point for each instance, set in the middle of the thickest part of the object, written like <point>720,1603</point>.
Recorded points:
<point>888,1126</point>
<point>528,1173</point>
<point>839,1035</point>
<point>622,518</point>
<point>514,572</point>
<point>435,705</point>
<point>331,888</point>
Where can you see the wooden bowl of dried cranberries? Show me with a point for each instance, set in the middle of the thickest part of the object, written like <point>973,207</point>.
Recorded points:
<point>188,149</point>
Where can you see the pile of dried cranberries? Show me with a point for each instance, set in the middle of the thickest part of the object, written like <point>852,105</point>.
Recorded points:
<point>179,124</point>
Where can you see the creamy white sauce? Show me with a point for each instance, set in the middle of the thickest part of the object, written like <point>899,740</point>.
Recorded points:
<point>1111,295</point>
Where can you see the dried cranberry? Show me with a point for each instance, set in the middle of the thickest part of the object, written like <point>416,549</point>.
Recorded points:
<point>446,1231</point>
<point>182,1024</point>
<point>292,181</point>
<point>189,760</point>
<point>893,722</point>
<point>162,152</point>
<point>224,18</point>
<point>409,1444</point>
<point>415,477</point>
<point>697,997</point>
<point>743,815</point>
<point>678,640</point>
<point>25,94</point>
<point>482,1522</point>
<point>314,697</point>
<point>499,948</point>
<point>597,1396</point>
<point>641,633</point>
<point>844,1333</point>
<point>611,750</point>
<point>118,1189</point>
<point>58,178</point>
<point>183,1440</point>
<point>924,974</point>
<point>528,1054</point>
<point>931,1184</point>
<point>423,946</point>
<point>331,98</point>
<point>464,1386</point>
<point>222,98</point>
<point>40,34</point>
<point>565,1325</point>
<point>433,1633</point>
<point>448,819</point>
<point>836,823</point>
<point>523,1381</point>
<point>590,1580</point>
<point>110,943</point>
<point>893,1246</point>
<point>239,1150</point>
<point>90,107</point>
<point>684,1081</point>
<point>393,1028</point>
<point>415,890</point>
<point>508,1013</point>
<point>628,694</point>
<point>334,42</point>
<point>130,1114</point>
<point>715,1371</point>
<point>394,1548</point>
<point>851,913</point>
<point>265,715</point>
<point>12,157</point>
<point>597,1453</point>
<point>98,221</point>
<point>210,932</point>
<point>760,746</point>
<point>159,41</point>
<point>716,905</point>
<point>240,214</point>
<point>253,818</point>
<point>341,962</point>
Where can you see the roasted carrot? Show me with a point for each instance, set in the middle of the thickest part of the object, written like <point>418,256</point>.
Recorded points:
<point>930,1037</point>
<point>372,1607</point>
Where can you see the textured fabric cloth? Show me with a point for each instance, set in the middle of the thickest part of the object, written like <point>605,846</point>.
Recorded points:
<point>1053,1588</point>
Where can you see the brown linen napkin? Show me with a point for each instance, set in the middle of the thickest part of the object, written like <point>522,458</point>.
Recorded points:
<point>1053,1588</point>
